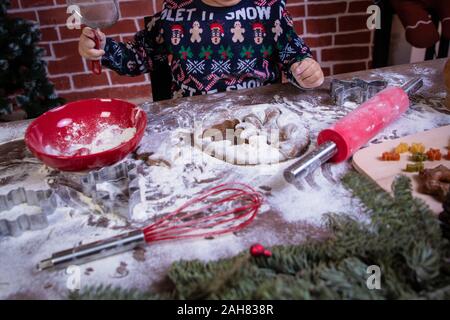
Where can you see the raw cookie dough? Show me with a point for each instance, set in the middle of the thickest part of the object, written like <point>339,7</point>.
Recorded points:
<point>261,134</point>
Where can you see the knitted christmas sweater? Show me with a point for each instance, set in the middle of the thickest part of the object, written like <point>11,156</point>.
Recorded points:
<point>213,49</point>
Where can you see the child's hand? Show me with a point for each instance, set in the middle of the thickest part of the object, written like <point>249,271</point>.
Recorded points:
<point>86,45</point>
<point>308,73</point>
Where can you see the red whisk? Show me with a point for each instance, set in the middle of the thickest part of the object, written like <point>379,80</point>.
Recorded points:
<point>226,208</point>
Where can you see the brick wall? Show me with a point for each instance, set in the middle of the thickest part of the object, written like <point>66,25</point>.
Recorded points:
<point>335,30</point>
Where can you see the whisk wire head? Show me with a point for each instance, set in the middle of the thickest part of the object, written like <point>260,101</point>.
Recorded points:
<point>195,223</point>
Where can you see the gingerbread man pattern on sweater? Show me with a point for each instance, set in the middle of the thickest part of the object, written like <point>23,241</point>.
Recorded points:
<point>213,49</point>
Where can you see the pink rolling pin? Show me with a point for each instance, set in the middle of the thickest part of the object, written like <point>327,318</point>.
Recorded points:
<point>345,137</point>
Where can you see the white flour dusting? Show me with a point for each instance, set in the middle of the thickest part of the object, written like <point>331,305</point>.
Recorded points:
<point>17,211</point>
<point>168,188</point>
<point>164,189</point>
<point>193,170</point>
<point>30,176</point>
<point>393,78</point>
<point>108,137</point>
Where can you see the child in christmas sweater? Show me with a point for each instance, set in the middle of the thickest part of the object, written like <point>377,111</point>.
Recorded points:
<point>213,46</point>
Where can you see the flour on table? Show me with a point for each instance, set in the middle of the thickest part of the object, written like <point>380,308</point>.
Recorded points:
<point>29,176</point>
<point>397,79</point>
<point>21,209</point>
<point>163,189</point>
<point>192,171</point>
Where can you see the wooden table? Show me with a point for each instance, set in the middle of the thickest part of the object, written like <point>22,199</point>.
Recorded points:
<point>147,266</point>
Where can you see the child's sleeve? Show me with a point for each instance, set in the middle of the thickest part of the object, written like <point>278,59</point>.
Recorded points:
<point>291,48</point>
<point>134,57</point>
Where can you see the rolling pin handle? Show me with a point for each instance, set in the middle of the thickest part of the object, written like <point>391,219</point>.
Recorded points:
<point>310,162</point>
<point>412,86</point>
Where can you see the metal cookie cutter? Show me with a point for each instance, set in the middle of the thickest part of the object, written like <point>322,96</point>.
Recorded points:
<point>355,90</point>
<point>115,189</point>
<point>109,187</point>
<point>45,199</point>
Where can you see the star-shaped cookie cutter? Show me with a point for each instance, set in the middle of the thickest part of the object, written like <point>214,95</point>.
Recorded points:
<point>355,90</point>
<point>114,198</point>
<point>45,199</point>
<point>109,187</point>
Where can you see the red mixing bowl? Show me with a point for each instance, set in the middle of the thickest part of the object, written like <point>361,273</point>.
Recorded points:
<point>53,132</point>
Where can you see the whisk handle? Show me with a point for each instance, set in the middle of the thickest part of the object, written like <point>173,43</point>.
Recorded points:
<point>94,250</point>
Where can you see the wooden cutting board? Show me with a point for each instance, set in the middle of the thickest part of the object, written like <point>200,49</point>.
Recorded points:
<point>367,161</point>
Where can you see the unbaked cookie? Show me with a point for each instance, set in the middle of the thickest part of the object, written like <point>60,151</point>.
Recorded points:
<point>261,134</point>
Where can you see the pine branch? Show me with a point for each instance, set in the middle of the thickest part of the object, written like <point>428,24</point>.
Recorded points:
<point>109,293</point>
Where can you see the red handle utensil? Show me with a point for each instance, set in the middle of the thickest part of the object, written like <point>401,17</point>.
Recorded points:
<point>96,65</point>
<point>226,208</point>
<point>96,14</point>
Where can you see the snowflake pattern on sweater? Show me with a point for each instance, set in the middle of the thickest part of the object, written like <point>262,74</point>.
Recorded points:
<point>213,49</point>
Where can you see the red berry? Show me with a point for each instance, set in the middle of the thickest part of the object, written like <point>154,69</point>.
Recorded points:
<point>257,250</point>
<point>267,253</point>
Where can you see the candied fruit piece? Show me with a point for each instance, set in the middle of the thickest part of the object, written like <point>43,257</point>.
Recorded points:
<point>402,148</point>
<point>390,156</point>
<point>414,167</point>
<point>418,157</point>
<point>434,154</point>
<point>417,147</point>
